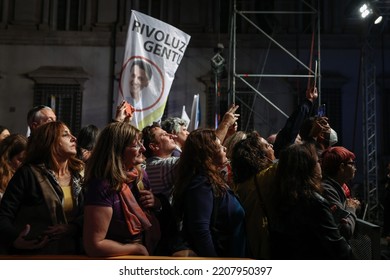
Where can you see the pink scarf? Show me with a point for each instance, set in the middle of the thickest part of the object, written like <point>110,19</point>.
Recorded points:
<point>135,217</point>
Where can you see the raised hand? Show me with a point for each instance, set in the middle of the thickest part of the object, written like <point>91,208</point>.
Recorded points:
<point>312,94</point>
<point>124,112</point>
<point>230,116</point>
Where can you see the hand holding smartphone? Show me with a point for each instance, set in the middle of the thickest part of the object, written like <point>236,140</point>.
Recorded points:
<point>321,111</point>
<point>129,109</point>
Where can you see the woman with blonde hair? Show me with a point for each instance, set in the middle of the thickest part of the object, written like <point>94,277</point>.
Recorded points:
<point>41,210</point>
<point>119,207</point>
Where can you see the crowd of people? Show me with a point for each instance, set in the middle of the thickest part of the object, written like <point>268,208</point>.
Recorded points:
<point>165,191</point>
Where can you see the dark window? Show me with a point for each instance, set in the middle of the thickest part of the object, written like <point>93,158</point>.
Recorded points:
<point>68,15</point>
<point>64,99</point>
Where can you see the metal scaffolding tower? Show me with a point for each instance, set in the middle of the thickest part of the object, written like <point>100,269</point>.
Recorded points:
<point>371,190</point>
<point>244,77</point>
<point>370,168</point>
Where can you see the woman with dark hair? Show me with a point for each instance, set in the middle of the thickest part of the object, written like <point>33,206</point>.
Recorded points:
<point>41,209</point>
<point>119,206</point>
<point>86,140</point>
<point>12,153</point>
<point>303,226</point>
<point>250,156</point>
<point>212,217</point>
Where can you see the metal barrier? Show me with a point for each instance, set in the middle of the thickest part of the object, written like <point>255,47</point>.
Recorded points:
<point>366,242</point>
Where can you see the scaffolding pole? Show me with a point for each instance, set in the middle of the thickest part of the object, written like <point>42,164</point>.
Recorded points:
<point>370,167</point>
<point>243,76</point>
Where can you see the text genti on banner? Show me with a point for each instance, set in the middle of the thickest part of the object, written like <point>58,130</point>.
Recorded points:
<point>154,50</point>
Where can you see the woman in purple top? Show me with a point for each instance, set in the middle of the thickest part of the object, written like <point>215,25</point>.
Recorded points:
<point>118,206</point>
<point>212,217</point>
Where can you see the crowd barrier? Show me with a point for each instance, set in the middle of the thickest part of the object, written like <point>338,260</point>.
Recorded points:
<point>366,242</point>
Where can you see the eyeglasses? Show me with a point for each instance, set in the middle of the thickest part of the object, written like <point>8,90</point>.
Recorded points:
<point>139,144</point>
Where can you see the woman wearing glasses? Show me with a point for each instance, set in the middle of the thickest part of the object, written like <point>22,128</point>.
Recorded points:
<point>338,169</point>
<point>119,208</point>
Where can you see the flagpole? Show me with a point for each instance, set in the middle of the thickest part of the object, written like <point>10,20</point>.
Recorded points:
<point>113,61</point>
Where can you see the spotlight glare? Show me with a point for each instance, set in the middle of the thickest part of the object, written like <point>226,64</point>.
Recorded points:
<point>365,13</point>
<point>363,8</point>
<point>378,20</point>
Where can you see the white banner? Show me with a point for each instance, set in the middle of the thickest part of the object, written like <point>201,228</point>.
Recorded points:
<point>184,116</point>
<point>154,50</point>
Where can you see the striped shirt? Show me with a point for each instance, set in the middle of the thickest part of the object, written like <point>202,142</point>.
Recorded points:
<point>161,173</point>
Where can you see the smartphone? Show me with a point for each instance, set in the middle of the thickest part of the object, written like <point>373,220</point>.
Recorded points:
<point>129,109</point>
<point>321,110</point>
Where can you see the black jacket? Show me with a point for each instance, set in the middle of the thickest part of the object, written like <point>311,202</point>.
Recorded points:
<point>307,231</point>
<point>24,203</point>
<point>345,217</point>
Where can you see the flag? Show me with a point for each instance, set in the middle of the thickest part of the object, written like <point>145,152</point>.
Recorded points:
<point>184,116</point>
<point>153,52</point>
<point>195,114</point>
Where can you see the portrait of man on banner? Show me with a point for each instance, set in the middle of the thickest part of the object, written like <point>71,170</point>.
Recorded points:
<point>140,75</point>
<point>142,86</point>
